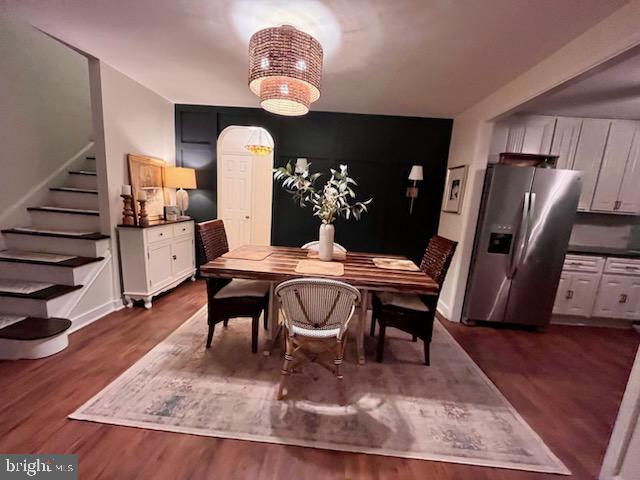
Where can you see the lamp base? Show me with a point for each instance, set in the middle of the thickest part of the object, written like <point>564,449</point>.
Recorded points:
<point>182,201</point>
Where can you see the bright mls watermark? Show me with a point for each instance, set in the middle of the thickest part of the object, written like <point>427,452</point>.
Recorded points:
<point>40,466</point>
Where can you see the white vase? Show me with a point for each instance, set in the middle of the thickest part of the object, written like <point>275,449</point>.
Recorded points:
<point>325,248</point>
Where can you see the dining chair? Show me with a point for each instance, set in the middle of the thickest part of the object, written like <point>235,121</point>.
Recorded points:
<point>316,245</point>
<point>229,298</point>
<point>412,313</point>
<point>316,313</point>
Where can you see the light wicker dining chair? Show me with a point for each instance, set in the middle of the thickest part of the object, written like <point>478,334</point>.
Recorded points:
<point>316,313</point>
<point>316,245</point>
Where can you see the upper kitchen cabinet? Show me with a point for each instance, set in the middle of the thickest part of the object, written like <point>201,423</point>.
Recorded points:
<point>629,196</point>
<point>530,134</point>
<point>588,157</point>
<point>617,165</point>
<point>565,141</point>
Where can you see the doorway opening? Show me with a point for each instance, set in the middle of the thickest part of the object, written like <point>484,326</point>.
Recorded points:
<point>245,187</point>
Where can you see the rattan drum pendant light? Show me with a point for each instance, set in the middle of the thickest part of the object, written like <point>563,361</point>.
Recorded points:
<point>285,68</point>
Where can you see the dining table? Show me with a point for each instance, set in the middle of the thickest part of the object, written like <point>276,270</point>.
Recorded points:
<point>276,264</point>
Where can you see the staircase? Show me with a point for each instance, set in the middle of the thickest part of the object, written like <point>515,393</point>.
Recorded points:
<point>47,266</point>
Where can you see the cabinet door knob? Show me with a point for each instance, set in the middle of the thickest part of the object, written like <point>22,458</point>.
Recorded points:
<point>623,298</point>
<point>247,217</point>
<point>174,257</point>
<point>569,294</point>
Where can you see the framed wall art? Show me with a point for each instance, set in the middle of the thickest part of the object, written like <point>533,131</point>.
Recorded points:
<point>454,189</point>
<point>145,173</point>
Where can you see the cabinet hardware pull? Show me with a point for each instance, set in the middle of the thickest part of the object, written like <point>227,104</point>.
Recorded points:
<point>616,205</point>
<point>569,294</point>
<point>623,298</point>
<point>630,267</point>
<point>174,257</point>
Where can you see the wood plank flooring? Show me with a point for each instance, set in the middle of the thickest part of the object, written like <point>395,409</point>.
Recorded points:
<point>567,383</point>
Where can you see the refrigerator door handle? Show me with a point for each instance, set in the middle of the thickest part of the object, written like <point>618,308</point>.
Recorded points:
<point>525,247</point>
<point>523,232</point>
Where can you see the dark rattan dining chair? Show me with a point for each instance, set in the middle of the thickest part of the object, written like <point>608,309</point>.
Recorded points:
<point>411,313</point>
<point>229,298</point>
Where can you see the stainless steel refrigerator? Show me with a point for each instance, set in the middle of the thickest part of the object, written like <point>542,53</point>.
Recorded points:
<point>522,235</point>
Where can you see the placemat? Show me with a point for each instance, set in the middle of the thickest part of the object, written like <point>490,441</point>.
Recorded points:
<point>249,252</point>
<point>395,264</point>
<point>318,267</point>
<point>337,255</point>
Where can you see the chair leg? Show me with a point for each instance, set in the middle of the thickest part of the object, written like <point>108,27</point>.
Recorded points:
<point>415,338</point>
<point>373,324</point>
<point>286,366</point>
<point>380,353</point>
<point>225,322</point>
<point>342,398</point>
<point>255,324</point>
<point>266,318</point>
<point>210,335</point>
<point>427,355</point>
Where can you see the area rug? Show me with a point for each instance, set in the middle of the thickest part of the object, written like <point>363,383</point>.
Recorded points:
<point>449,411</point>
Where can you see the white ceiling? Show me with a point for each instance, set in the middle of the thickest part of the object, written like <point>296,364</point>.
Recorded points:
<point>403,57</point>
<point>609,91</point>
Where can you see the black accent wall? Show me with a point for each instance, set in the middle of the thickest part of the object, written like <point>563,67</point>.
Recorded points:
<point>378,149</point>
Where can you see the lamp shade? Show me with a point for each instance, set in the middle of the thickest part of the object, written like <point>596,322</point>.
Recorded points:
<point>416,173</point>
<point>179,177</point>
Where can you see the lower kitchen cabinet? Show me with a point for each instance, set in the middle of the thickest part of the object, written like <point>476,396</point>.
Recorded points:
<point>576,294</point>
<point>618,297</point>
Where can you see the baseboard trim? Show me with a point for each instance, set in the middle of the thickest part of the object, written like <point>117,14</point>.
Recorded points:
<point>97,313</point>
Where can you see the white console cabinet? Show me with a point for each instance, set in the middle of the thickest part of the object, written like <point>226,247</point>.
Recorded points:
<point>155,259</point>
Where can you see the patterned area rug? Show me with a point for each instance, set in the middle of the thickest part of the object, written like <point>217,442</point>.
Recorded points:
<point>449,411</point>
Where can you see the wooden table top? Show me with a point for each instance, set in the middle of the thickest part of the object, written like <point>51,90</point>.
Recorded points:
<point>359,271</point>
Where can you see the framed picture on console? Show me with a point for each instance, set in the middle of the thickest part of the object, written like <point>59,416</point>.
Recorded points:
<point>454,189</point>
<point>145,173</point>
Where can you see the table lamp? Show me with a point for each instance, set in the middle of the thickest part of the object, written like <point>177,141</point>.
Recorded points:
<point>415,175</point>
<point>180,178</point>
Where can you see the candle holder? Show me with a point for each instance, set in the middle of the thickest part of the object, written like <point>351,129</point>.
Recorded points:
<point>143,218</point>
<point>128,218</point>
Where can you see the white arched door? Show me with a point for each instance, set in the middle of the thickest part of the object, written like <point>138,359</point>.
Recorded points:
<point>245,189</point>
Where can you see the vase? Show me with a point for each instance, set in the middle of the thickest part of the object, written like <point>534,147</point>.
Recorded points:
<point>325,246</point>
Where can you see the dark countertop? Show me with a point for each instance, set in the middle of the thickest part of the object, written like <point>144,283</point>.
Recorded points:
<point>157,223</point>
<point>603,251</point>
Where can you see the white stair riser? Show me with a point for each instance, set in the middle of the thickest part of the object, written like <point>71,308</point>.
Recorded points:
<point>65,221</point>
<point>45,273</point>
<point>64,246</point>
<point>89,182</point>
<point>30,307</point>
<point>85,201</point>
<point>32,349</point>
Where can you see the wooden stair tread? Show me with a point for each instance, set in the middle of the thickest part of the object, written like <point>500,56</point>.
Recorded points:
<point>47,293</point>
<point>87,236</point>
<point>74,190</point>
<point>82,172</point>
<point>70,263</point>
<point>34,328</point>
<point>72,211</point>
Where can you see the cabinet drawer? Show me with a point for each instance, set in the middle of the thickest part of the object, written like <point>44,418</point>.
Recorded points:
<point>184,228</point>
<point>583,263</point>
<point>159,234</point>
<point>628,266</point>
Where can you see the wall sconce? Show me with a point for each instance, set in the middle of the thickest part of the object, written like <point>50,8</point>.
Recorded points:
<point>415,176</point>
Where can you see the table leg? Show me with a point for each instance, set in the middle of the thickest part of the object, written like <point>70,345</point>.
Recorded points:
<point>362,320</point>
<point>273,321</point>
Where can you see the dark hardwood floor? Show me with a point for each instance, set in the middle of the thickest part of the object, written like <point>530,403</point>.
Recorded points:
<point>567,383</point>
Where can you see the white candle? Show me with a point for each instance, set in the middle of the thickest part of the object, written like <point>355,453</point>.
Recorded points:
<point>126,189</point>
<point>142,195</point>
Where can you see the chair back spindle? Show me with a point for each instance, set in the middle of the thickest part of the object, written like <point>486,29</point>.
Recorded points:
<point>437,258</point>
<point>212,240</point>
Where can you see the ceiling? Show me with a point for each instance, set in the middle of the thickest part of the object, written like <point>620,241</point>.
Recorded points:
<point>610,91</point>
<point>401,57</point>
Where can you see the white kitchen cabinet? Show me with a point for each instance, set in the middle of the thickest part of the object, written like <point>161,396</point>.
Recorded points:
<point>155,259</point>
<point>576,293</point>
<point>629,196</point>
<point>618,297</point>
<point>614,163</point>
<point>588,157</point>
<point>531,134</point>
<point>565,141</point>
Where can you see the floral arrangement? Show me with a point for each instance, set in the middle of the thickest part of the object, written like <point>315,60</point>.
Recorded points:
<point>335,199</point>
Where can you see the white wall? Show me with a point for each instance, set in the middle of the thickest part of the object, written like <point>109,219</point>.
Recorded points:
<point>470,142</point>
<point>45,116</point>
<point>132,119</point>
